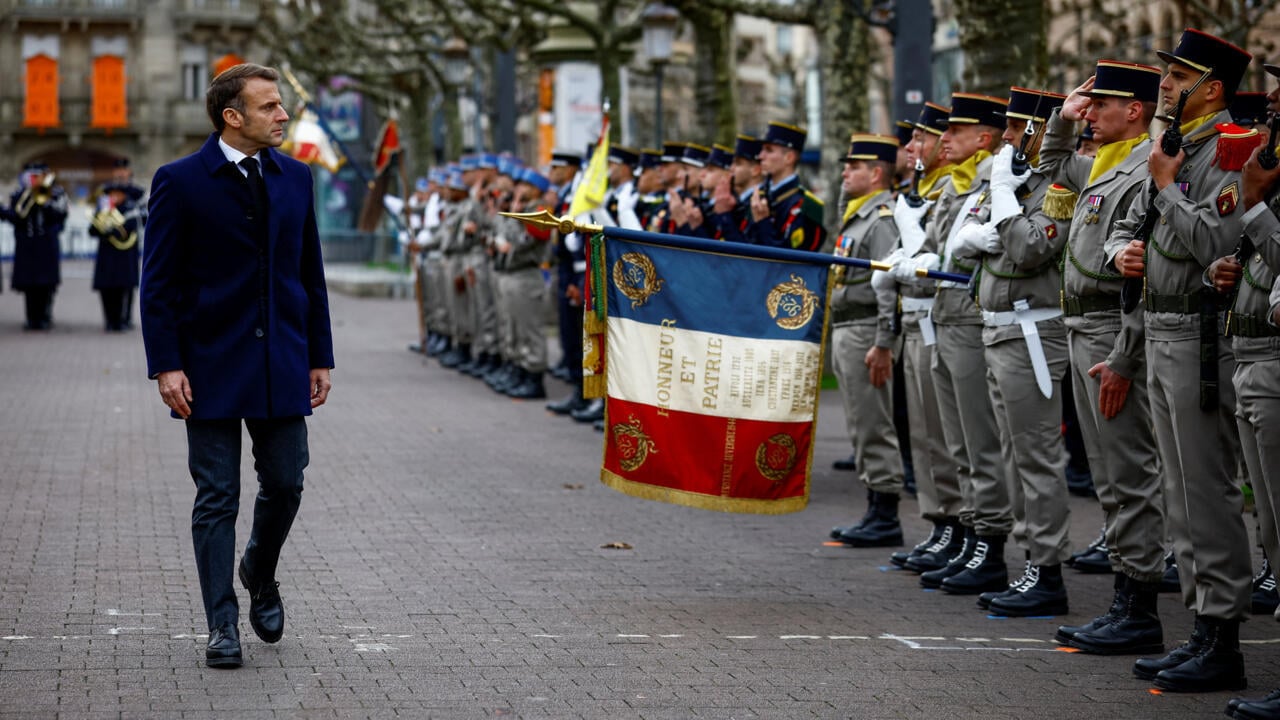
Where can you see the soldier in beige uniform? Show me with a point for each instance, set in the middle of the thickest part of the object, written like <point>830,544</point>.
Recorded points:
<point>523,292</point>
<point>1018,280</point>
<point>938,489</point>
<point>1107,353</point>
<point>959,366</point>
<point>1196,194</point>
<point>1255,340</point>
<point>460,235</point>
<point>863,343</point>
<point>479,267</point>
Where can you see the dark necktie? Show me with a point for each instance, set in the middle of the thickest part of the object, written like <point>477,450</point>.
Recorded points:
<point>256,186</point>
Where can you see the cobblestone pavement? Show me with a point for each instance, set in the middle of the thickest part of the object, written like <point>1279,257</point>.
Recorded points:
<point>448,562</point>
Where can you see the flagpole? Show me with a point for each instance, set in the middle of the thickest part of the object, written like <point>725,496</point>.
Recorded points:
<point>764,252</point>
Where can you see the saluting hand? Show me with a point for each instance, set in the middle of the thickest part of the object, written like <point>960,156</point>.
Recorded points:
<point>1077,104</point>
<point>725,201</point>
<point>759,206</point>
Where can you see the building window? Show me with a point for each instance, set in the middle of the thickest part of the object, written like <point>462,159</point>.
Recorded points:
<point>784,40</point>
<point>195,72</point>
<point>785,90</point>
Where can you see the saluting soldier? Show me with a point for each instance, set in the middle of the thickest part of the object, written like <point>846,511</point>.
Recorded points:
<point>458,233</point>
<point>783,213</point>
<point>479,265</point>
<point>649,186</point>
<point>731,200</point>
<point>37,210</point>
<point>937,483</point>
<point>1108,360</point>
<point>863,340</point>
<point>1196,194</point>
<point>1016,252</point>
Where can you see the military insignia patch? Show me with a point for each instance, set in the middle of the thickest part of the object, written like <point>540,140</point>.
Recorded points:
<point>792,304</point>
<point>632,444</point>
<point>886,211</point>
<point>1227,199</point>
<point>776,457</point>
<point>636,277</point>
<point>797,237</point>
<point>1051,230</point>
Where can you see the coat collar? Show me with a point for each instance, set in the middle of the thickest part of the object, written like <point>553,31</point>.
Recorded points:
<point>213,160</point>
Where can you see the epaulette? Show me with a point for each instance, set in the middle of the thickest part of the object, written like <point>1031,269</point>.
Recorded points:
<point>1235,145</point>
<point>886,211</point>
<point>1059,202</point>
<point>813,207</point>
<point>933,194</point>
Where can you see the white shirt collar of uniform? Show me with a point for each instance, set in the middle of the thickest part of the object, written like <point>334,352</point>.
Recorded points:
<point>785,180</point>
<point>234,156</point>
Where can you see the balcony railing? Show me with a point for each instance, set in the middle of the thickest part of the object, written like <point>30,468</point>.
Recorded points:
<point>183,117</point>
<point>218,12</point>
<point>72,10</point>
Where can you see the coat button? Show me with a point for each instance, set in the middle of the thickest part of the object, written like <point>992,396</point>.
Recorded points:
<point>258,332</point>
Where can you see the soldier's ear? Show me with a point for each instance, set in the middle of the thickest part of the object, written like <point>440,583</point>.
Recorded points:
<point>1214,89</point>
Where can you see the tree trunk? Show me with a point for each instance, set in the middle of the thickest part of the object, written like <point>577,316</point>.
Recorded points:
<point>716,87</point>
<point>845,46</point>
<point>1004,44</point>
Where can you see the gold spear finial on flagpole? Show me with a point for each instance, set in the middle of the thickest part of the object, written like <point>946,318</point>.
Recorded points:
<point>544,219</point>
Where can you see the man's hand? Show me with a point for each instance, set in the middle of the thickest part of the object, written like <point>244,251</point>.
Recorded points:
<point>574,294</point>
<point>679,211</point>
<point>692,214</point>
<point>1112,392</point>
<point>175,390</point>
<point>759,205</point>
<point>879,362</point>
<point>725,201</point>
<point>1129,261</point>
<point>320,386</point>
<point>1224,273</point>
<point>1076,104</point>
<point>1163,168</point>
<point>1256,183</point>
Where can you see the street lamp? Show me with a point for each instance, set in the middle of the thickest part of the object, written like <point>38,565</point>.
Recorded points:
<point>457,60</point>
<point>659,22</point>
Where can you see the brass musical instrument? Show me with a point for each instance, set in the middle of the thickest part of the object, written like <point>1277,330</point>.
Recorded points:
<point>33,196</point>
<point>110,223</point>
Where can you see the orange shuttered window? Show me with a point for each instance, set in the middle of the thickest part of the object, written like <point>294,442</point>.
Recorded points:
<point>110,109</point>
<point>41,107</point>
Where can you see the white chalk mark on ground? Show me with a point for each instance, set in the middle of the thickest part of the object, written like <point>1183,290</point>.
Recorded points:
<point>121,613</point>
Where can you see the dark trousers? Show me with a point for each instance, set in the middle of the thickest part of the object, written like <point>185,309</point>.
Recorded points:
<point>571,330</point>
<point>213,455</point>
<point>117,307</point>
<point>39,301</point>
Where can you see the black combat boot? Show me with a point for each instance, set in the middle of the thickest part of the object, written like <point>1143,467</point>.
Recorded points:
<point>1265,598</point>
<point>1148,668</point>
<point>901,557</point>
<point>883,529</point>
<point>530,388</point>
<point>1042,593</point>
<point>984,600</point>
<point>1134,630</point>
<point>984,571</point>
<point>459,355</point>
<point>1217,666</point>
<point>955,564</point>
<point>593,411</point>
<point>1118,602</point>
<point>442,344</point>
<point>1094,559</point>
<point>839,530</point>
<point>500,377</point>
<point>1267,708</point>
<point>574,401</point>
<point>936,556</point>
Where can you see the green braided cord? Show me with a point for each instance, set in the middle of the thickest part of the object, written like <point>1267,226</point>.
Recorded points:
<point>597,275</point>
<point>1166,253</point>
<point>1017,276</point>
<point>1253,282</point>
<point>1087,273</point>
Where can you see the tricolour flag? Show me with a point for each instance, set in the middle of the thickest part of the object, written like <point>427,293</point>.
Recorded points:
<point>308,142</point>
<point>713,364</point>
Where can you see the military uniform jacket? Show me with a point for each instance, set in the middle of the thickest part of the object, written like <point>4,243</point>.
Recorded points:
<point>732,226</point>
<point>35,240</point>
<point>954,306</point>
<point>528,244</point>
<point>795,218</point>
<point>1027,267</point>
<point>117,262</point>
<point>870,234</point>
<point>1087,270</point>
<point>1253,292</point>
<point>456,241</point>
<point>434,239</point>
<point>926,289</point>
<point>1200,219</point>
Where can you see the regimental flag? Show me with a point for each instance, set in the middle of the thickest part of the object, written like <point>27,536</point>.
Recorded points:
<point>388,146</point>
<point>595,181</point>
<point>713,363</point>
<point>307,141</point>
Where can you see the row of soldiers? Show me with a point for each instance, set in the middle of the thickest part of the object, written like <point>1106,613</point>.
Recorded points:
<point>38,211</point>
<point>1143,270</point>
<point>1123,269</point>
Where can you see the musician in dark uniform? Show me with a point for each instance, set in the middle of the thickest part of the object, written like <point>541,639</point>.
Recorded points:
<point>117,223</point>
<point>37,210</point>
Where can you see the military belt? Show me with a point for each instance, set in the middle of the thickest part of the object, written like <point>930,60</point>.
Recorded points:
<point>1188,304</point>
<point>1239,325</point>
<point>915,304</point>
<point>849,313</point>
<point>1085,304</point>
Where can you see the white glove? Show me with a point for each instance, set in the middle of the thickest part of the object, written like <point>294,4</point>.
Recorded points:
<point>1004,184</point>
<point>905,271</point>
<point>881,279</point>
<point>974,239</point>
<point>627,199</point>
<point>908,220</point>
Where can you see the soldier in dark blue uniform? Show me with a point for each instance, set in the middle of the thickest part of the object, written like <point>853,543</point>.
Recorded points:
<point>37,211</point>
<point>732,203</point>
<point>117,223</point>
<point>783,213</point>
<point>571,264</point>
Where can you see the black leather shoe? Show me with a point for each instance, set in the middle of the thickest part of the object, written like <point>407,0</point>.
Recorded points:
<point>1041,593</point>
<point>266,610</point>
<point>984,599</point>
<point>882,530</point>
<point>901,557</point>
<point>223,650</point>
<point>839,530</point>
<point>529,388</point>
<point>1094,559</point>
<point>849,463</point>
<point>1134,628</point>
<point>573,401</point>
<point>598,425</point>
<point>940,553</point>
<point>1217,666</point>
<point>984,571</point>
<point>1267,708</point>
<point>1148,668</point>
<point>955,565</point>
<point>592,412</point>
<point>1118,600</point>
<point>1265,599</point>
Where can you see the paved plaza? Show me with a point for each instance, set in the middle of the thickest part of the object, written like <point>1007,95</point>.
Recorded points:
<point>449,561</point>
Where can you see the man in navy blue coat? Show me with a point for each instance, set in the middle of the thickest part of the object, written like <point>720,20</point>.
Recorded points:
<point>235,318</point>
